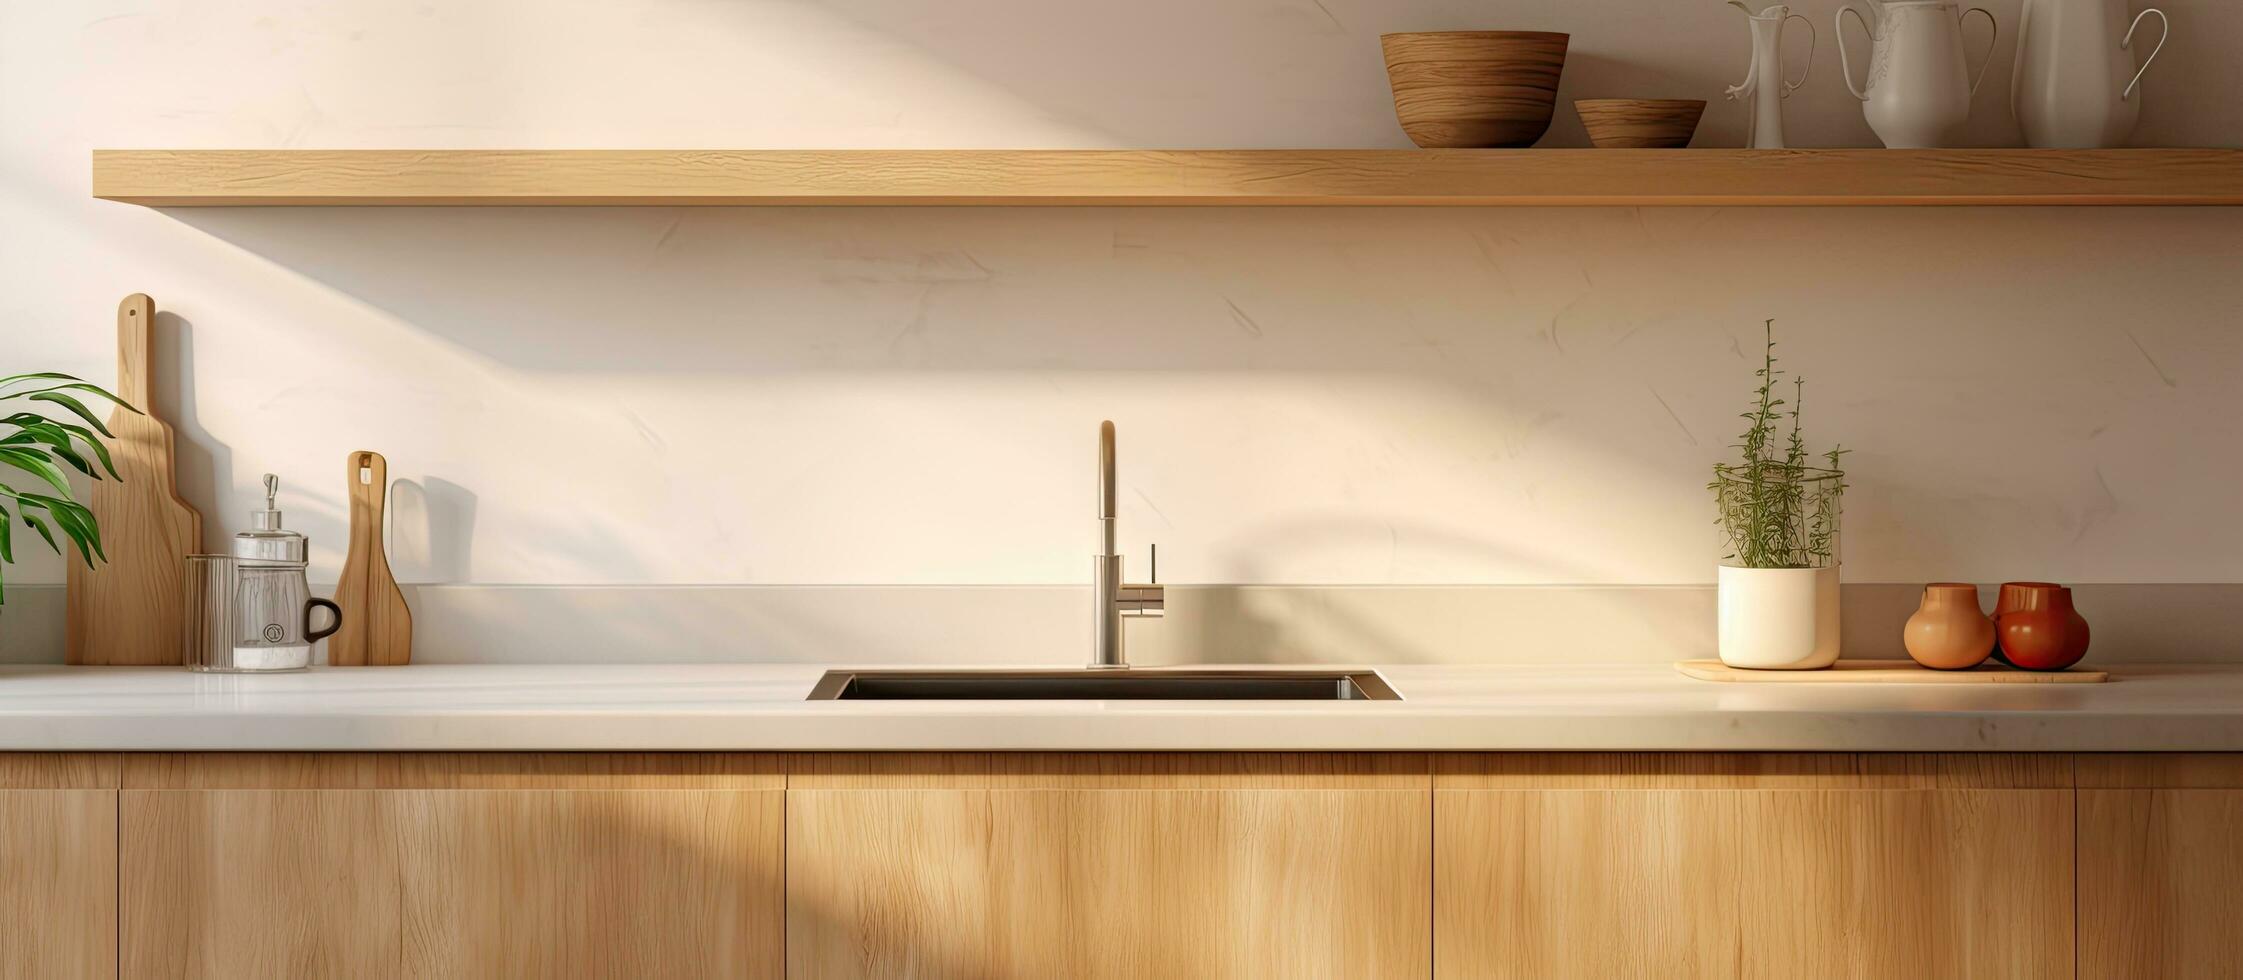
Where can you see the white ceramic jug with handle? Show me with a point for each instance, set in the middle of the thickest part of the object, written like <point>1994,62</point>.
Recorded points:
<point>2075,85</point>
<point>1764,81</point>
<point>1919,87</point>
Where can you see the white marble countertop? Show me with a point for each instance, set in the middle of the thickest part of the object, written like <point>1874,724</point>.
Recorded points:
<point>754,707</point>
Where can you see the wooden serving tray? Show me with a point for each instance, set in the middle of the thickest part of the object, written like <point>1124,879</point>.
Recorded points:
<point>1886,672</point>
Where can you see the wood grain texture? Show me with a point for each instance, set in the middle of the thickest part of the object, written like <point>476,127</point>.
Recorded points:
<point>452,770</point>
<point>1471,89</point>
<point>128,609</point>
<point>58,883</point>
<point>1886,672</point>
<point>377,626</point>
<point>2160,883</point>
<point>2163,770</point>
<point>1753,883</point>
<point>452,883</point>
<point>58,770</point>
<point>1109,770</point>
<point>189,178</point>
<point>1087,883</point>
<point>1640,124</point>
<point>1751,770</point>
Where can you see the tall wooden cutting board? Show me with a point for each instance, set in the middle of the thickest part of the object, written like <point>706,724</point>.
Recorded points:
<point>128,610</point>
<point>377,628</point>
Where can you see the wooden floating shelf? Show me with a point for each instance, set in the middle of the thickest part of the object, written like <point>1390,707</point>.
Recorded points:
<point>283,178</point>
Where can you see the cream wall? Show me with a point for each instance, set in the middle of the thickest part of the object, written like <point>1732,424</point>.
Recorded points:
<point>839,396</point>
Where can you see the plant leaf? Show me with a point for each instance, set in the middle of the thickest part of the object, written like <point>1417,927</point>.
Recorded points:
<point>36,525</point>
<point>76,409</point>
<point>74,385</point>
<point>30,420</point>
<point>40,376</point>
<point>100,450</point>
<point>76,521</point>
<point>7,538</point>
<point>71,456</point>
<point>57,440</point>
<point>36,463</point>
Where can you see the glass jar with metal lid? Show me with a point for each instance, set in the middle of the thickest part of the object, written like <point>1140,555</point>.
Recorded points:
<point>252,610</point>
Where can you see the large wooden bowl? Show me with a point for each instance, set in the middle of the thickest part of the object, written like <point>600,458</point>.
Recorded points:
<point>1474,89</point>
<point>1640,123</point>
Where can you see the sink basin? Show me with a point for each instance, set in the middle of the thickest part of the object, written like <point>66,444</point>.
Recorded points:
<point>1082,684</point>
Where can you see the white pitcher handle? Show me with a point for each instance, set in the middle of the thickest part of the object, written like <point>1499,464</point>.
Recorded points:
<point>2161,36</point>
<point>1793,86</point>
<point>1986,58</point>
<point>1838,27</point>
<point>1744,88</point>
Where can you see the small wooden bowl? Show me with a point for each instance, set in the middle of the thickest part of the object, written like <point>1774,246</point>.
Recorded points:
<point>1474,89</point>
<point>1640,123</point>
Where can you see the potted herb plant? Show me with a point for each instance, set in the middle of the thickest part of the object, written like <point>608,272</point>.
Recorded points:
<point>41,445</point>
<point>1778,583</point>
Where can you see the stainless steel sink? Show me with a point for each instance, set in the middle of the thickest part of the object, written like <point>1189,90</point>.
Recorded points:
<point>1079,684</point>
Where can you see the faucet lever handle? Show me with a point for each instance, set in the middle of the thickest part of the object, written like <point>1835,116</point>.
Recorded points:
<point>1148,601</point>
<point>1142,601</point>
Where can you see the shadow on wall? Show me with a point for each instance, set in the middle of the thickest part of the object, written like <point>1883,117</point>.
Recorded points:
<point>202,464</point>
<point>431,521</point>
<point>432,530</point>
<point>727,290</point>
<point>1460,339</point>
<point>1238,625</point>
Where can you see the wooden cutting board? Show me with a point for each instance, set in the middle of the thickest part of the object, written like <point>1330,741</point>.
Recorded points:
<point>377,629</point>
<point>128,610</point>
<point>1886,672</point>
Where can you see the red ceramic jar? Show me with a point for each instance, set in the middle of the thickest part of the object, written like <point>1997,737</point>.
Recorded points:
<point>2012,594</point>
<point>2042,631</point>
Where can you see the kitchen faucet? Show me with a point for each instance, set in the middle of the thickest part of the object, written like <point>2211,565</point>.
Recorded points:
<point>1112,599</point>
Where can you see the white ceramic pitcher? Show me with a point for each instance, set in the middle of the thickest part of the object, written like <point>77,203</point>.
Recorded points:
<point>1764,82</point>
<point>1919,87</point>
<point>2075,85</point>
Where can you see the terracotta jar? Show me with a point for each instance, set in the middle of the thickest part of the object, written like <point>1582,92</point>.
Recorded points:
<point>2043,632</point>
<point>2008,599</point>
<point>1948,632</point>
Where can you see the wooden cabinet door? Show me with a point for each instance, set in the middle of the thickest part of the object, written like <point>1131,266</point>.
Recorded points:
<point>1752,866</point>
<point>1108,866</point>
<point>2161,866</point>
<point>452,866</point>
<point>58,866</point>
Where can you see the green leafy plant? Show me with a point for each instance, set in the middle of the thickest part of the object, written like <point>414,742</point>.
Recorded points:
<point>1777,510</point>
<point>41,445</point>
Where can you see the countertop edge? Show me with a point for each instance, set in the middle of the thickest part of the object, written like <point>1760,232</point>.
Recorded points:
<point>762,708</point>
<point>605,732</point>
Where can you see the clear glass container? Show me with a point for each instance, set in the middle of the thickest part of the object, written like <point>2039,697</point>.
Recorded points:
<point>252,610</point>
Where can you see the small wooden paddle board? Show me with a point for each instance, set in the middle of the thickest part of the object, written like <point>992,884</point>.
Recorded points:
<point>377,629</point>
<point>128,609</point>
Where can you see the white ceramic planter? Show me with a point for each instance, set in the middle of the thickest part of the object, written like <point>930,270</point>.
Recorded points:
<point>1778,618</point>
